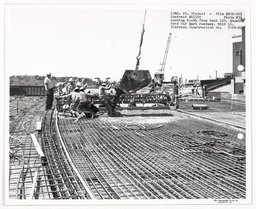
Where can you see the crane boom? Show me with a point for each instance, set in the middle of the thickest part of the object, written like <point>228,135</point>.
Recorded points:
<point>165,54</point>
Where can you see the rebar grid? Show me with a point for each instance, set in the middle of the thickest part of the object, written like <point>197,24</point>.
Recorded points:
<point>24,161</point>
<point>30,176</point>
<point>172,160</point>
<point>183,159</point>
<point>62,179</point>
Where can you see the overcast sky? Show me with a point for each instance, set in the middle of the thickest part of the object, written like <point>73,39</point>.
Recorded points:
<point>77,41</point>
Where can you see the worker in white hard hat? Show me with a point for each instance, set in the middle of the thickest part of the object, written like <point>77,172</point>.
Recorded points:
<point>75,99</point>
<point>104,99</point>
<point>59,87</point>
<point>49,91</point>
<point>83,82</point>
<point>70,86</point>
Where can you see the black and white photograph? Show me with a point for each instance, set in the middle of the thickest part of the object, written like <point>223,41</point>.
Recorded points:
<point>127,104</point>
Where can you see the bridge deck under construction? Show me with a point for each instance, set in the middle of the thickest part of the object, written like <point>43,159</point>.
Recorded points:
<point>167,155</point>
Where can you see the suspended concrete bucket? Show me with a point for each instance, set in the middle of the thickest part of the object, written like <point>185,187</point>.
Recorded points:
<point>135,80</point>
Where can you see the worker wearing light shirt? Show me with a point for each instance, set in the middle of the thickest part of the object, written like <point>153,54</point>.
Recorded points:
<point>49,91</point>
<point>84,104</point>
<point>104,99</point>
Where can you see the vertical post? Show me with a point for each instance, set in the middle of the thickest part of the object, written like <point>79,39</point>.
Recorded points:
<point>231,102</point>
<point>232,92</point>
<point>244,88</point>
<point>232,86</point>
<point>17,107</point>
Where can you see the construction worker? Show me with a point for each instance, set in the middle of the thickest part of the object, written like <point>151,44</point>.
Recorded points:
<point>84,105</point>
<point>58,92</point>
<point>103,98</point>
<point>70,86</point>
<point>197,91</point>
<point>83,83</point>
<point>176,94</point>
<point>116,100</point>
<point>59,87</point>
<point>49,91</point>
<point>152,85</point>
<point>168,98</point>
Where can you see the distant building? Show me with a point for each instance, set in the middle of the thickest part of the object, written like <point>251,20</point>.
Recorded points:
<point>233,84</point>
<point>238,83</point>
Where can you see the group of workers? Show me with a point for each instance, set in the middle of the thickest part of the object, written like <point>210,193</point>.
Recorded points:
<point>79,101</point>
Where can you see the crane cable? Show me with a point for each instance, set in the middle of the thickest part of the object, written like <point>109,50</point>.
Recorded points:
<point>141,41</point>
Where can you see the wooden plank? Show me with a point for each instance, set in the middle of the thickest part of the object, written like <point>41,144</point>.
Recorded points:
<point>39,150</point>
<point>33,186</point>
<point>37,146</point>
<point>39,126</point>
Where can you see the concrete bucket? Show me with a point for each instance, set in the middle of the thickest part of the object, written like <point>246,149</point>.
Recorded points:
<point>133,81</point>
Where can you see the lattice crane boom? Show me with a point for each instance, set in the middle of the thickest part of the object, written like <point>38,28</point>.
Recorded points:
<point>165,54</point>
